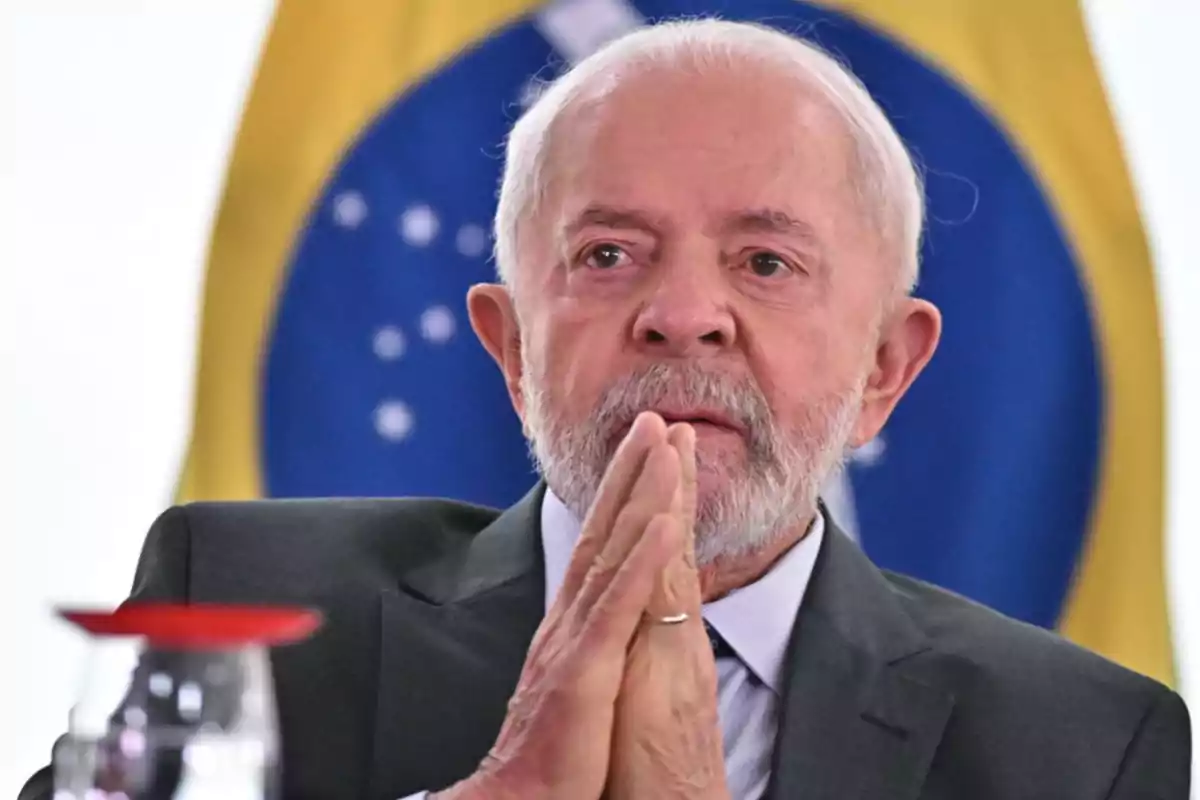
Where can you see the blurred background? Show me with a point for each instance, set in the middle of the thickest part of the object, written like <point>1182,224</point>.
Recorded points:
<point>234,240</point>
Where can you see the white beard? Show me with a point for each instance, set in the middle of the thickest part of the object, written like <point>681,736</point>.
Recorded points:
<point>760,501</point>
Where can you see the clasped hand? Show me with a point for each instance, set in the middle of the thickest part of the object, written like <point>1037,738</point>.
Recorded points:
<point>611,702</point>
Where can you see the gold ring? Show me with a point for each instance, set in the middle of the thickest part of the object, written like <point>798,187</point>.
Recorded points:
<point>674,619</point>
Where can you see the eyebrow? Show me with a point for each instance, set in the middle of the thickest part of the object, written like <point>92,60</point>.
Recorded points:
<point>770,220</point>
<point>611,217</point>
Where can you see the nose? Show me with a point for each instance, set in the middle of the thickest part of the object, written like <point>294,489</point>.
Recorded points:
<point>685,315</point>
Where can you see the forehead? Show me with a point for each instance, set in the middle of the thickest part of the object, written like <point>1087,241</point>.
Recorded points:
<point>693,145</point>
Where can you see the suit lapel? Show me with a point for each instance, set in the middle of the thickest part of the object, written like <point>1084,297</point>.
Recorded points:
<point>861,717</point>
<point>452,644</point>
<point>862,712</point>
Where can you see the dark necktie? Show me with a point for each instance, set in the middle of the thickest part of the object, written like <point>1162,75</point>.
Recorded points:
<point>720,647</point>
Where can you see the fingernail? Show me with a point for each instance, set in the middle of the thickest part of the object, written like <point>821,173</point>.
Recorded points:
<point>649,420</point>
<point>639,422</point>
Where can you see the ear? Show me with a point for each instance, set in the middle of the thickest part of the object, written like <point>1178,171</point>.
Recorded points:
<point>494,319</point>
<point>907,341</point>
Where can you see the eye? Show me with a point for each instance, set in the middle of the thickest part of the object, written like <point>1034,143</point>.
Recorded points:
<point>766,264</point>
<point>604,256</point>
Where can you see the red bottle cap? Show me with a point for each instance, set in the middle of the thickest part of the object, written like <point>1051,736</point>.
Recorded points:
<point>199,625</point>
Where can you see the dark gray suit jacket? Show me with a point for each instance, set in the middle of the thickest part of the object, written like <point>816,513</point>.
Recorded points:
<point>896,690</point>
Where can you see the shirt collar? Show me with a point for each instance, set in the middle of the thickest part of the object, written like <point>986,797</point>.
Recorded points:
<point>756,620</point>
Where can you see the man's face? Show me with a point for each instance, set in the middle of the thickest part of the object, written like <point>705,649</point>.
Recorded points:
<point>702,251</point>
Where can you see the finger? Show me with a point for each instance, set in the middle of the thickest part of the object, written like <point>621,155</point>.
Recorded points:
<point>615,488</point>
<point>682,437</point>
<point>685,645</point>
<point>677,588</point>
<point>614,618</point>
<point>651,495</point>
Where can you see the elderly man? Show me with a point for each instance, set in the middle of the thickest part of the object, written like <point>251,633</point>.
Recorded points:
<point>707,234</point>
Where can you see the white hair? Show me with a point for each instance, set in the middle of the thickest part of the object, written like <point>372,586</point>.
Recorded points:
<point>886,179</point>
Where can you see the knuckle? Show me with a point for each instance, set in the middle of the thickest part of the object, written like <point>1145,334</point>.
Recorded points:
<point>633,515</point>
<point>604,567</point>
<point>554,694</point>
<point>600,575</point>
<point>600,628</point>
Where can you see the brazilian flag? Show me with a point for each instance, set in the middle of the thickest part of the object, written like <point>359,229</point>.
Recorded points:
<point>1025,467</point>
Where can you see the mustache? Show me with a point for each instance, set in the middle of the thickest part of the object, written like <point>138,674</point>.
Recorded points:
<point>688,384</point>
